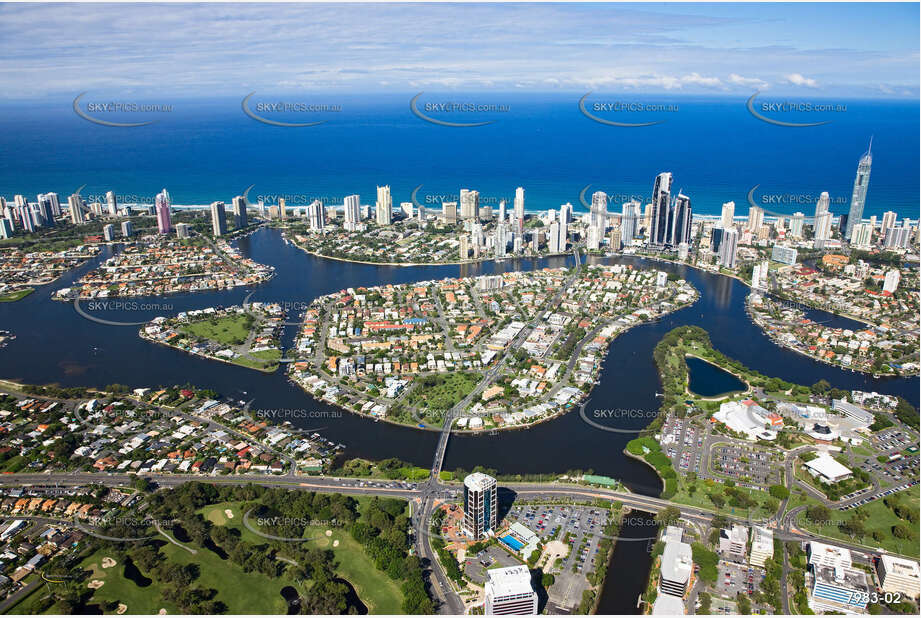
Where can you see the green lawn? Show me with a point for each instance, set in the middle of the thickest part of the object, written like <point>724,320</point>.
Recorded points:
<point>14,296</point>
<point>880,519</point>
<point>226,330</point>
<point>120,589</point>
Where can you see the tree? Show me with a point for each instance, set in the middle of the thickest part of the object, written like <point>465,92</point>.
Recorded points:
<point>779,491</point>
<point>668,516</point>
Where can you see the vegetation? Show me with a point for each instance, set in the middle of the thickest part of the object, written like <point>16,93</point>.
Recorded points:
<point>442,392</point>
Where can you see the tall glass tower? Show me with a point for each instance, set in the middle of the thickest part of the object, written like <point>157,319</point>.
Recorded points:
<point>859,196</point>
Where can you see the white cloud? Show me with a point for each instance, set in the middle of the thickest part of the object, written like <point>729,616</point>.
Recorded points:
<point>797,79</point>
<point>755,82</point>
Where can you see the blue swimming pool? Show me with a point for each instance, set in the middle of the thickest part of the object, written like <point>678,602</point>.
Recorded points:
<point>512,542</point>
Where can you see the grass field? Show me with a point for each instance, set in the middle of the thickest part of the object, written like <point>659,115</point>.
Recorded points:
<point>14,296</point>
<point>265,360</point>
<point>880,519</point>
<point>443,391</point>
<point>226,330</point>
<point>119,589</point>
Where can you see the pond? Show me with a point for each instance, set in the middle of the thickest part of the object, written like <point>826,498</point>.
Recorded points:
<point>708,380</point>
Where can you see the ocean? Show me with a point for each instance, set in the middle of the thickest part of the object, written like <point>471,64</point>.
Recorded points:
<point>206,150</point>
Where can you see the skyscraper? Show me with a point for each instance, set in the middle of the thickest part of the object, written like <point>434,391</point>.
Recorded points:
<point>316,215</point>
<point>861,235</point>
<point>218,219</point>
<point>164,217</point>
<point>282,209</point>
<point>629,221</point>
<point>352,213</point>
<point>75,204</point>
<point>127,229</point>
<point>501,211</point>
<point>112,203</point>
<point>755,219</point>
<point>480,505</point>
<point>681,221</point>
<point>240,218</point>
<point>661,205</point>
<point>449,212</point>
<point>55,203</point>
<point>469,204</point>
<point>727,219</point>
<point>822,221</point>
<point>501,240</point>
<point>46,209</point>
<point>383,208</point>
<point>554,241</point>
<point>889,218</point>
<point>727,248</point>
<point>565,218</point>
<point>859,194</point>
<point>796,225</point>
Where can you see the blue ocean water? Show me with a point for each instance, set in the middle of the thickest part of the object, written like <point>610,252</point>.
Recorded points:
<point>206,150</point>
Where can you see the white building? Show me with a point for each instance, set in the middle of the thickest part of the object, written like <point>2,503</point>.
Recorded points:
<point>828,469</point>
<point>891,283</point>
<point>383,209</point>
<point>509,592</point>
<point>480,505</point>
<point>899,576</point>
<point>676,564</point>
<point>762,546</point>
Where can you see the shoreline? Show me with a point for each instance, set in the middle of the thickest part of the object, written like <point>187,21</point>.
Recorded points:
<point>214,358</point>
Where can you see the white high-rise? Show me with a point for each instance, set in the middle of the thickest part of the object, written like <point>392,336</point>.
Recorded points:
<point>240,217</point>
<point>796,225</point>
<point>861,235</point>
<point>727,218</point>
<point>75,204</point>
<point>218,219</point>
<point>629,221</point>
<point>352,212</point>
<point>508,591</point>
<point>316,215</point>
<point>822,223</point>
<point>480,505</point>
<point>469,204</point>
<point>859,194</point>
<point>755,219</point>
<point>383,209</point>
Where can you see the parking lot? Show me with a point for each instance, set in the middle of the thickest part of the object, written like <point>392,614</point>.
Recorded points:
<point>683,442</point>
<point>578,528</point>
<point>492,557</point>
<point>733,579</point>
<point>747,465</point>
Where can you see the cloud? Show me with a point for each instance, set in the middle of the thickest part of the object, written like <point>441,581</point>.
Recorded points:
<point>797,79</point>
<point>738,80</point>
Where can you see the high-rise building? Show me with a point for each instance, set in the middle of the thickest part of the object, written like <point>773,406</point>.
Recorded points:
<point>46,209</point>
<point>218,219</point>
<point>822,221</point>
<point>6,228</point>
<point>629,221</point>
<point>282,208</point>
<point>899,576</point>
<point>55,203</point>
<point>796,225</point>
<point>501,240</point>
<point>861,235</point>
<point>681,221</point>
<point>480,505</point>
<point>407,209</point>
<point>449,213</point>
<point>759,275</point>
<point>182,230</point>
<point>661,206</point>
<point>727,248</point>
<point>898,237</point>
<point>554,240</point>
<point>108,232</point>
<point>112,203</point>
<point>26,219</point>
<point>597,219</point>
<point>891,282</point>
<point>755,219</point>
<point>501,211</point>
<point>727,218</point>
<point>566,213</point>
<point>676,564</point>
<point>463,246</point>
<point>383,208</point>
<point>316,215</point>
<point>509,592</point>
<point>164,217</point>
<point>889,219</point>
<point>859,194</point>
<point>784,255</point>
<point>352,212</point>
<point>75,205</point>
<point>240,217</point>
<point>469,204</point>
<point>565,218</point>
<point>127,229</point>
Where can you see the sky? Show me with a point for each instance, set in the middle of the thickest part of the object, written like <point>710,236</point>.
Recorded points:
<point>821,50</point>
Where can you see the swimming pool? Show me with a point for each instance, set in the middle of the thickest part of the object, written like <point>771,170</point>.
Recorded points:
<point>512,542</point>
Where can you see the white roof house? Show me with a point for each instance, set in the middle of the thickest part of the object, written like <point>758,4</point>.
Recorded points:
<point>828,468</point>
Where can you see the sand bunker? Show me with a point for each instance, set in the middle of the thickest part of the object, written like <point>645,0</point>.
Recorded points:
<point>122,608</point>
<point>96,584</point>
<point>336,543</point>
<point>329,533</point>
<point>108,563</point>
<point>228,513</point>
<point>162,611</point>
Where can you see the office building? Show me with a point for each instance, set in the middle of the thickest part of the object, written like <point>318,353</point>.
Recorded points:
<point>449,213</point>
<point>75,205</point>
<point>218,219</point>
<point>899,576</point>
<point>891,282</point>
<point>127,229</point>
<point>859,194</point>
<point>733,543</point>
<point>240,217</point>
<point>509,592</point>
<point>676,564</point>
<point>728,216</point>
<point>352,212</point>
<point>469,205</point>
<point>661,205</point>
<point>182,230</point>
<point>164,217</point>
<point>836,585</point>
<point>480,505</point>
<point>784,255</point>
<point>383,208</point>
<point>316,215</point>
<point>762,546</point>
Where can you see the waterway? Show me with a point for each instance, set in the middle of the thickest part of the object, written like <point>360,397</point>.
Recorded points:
<point>55,344</point>
<point>708,380</point>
